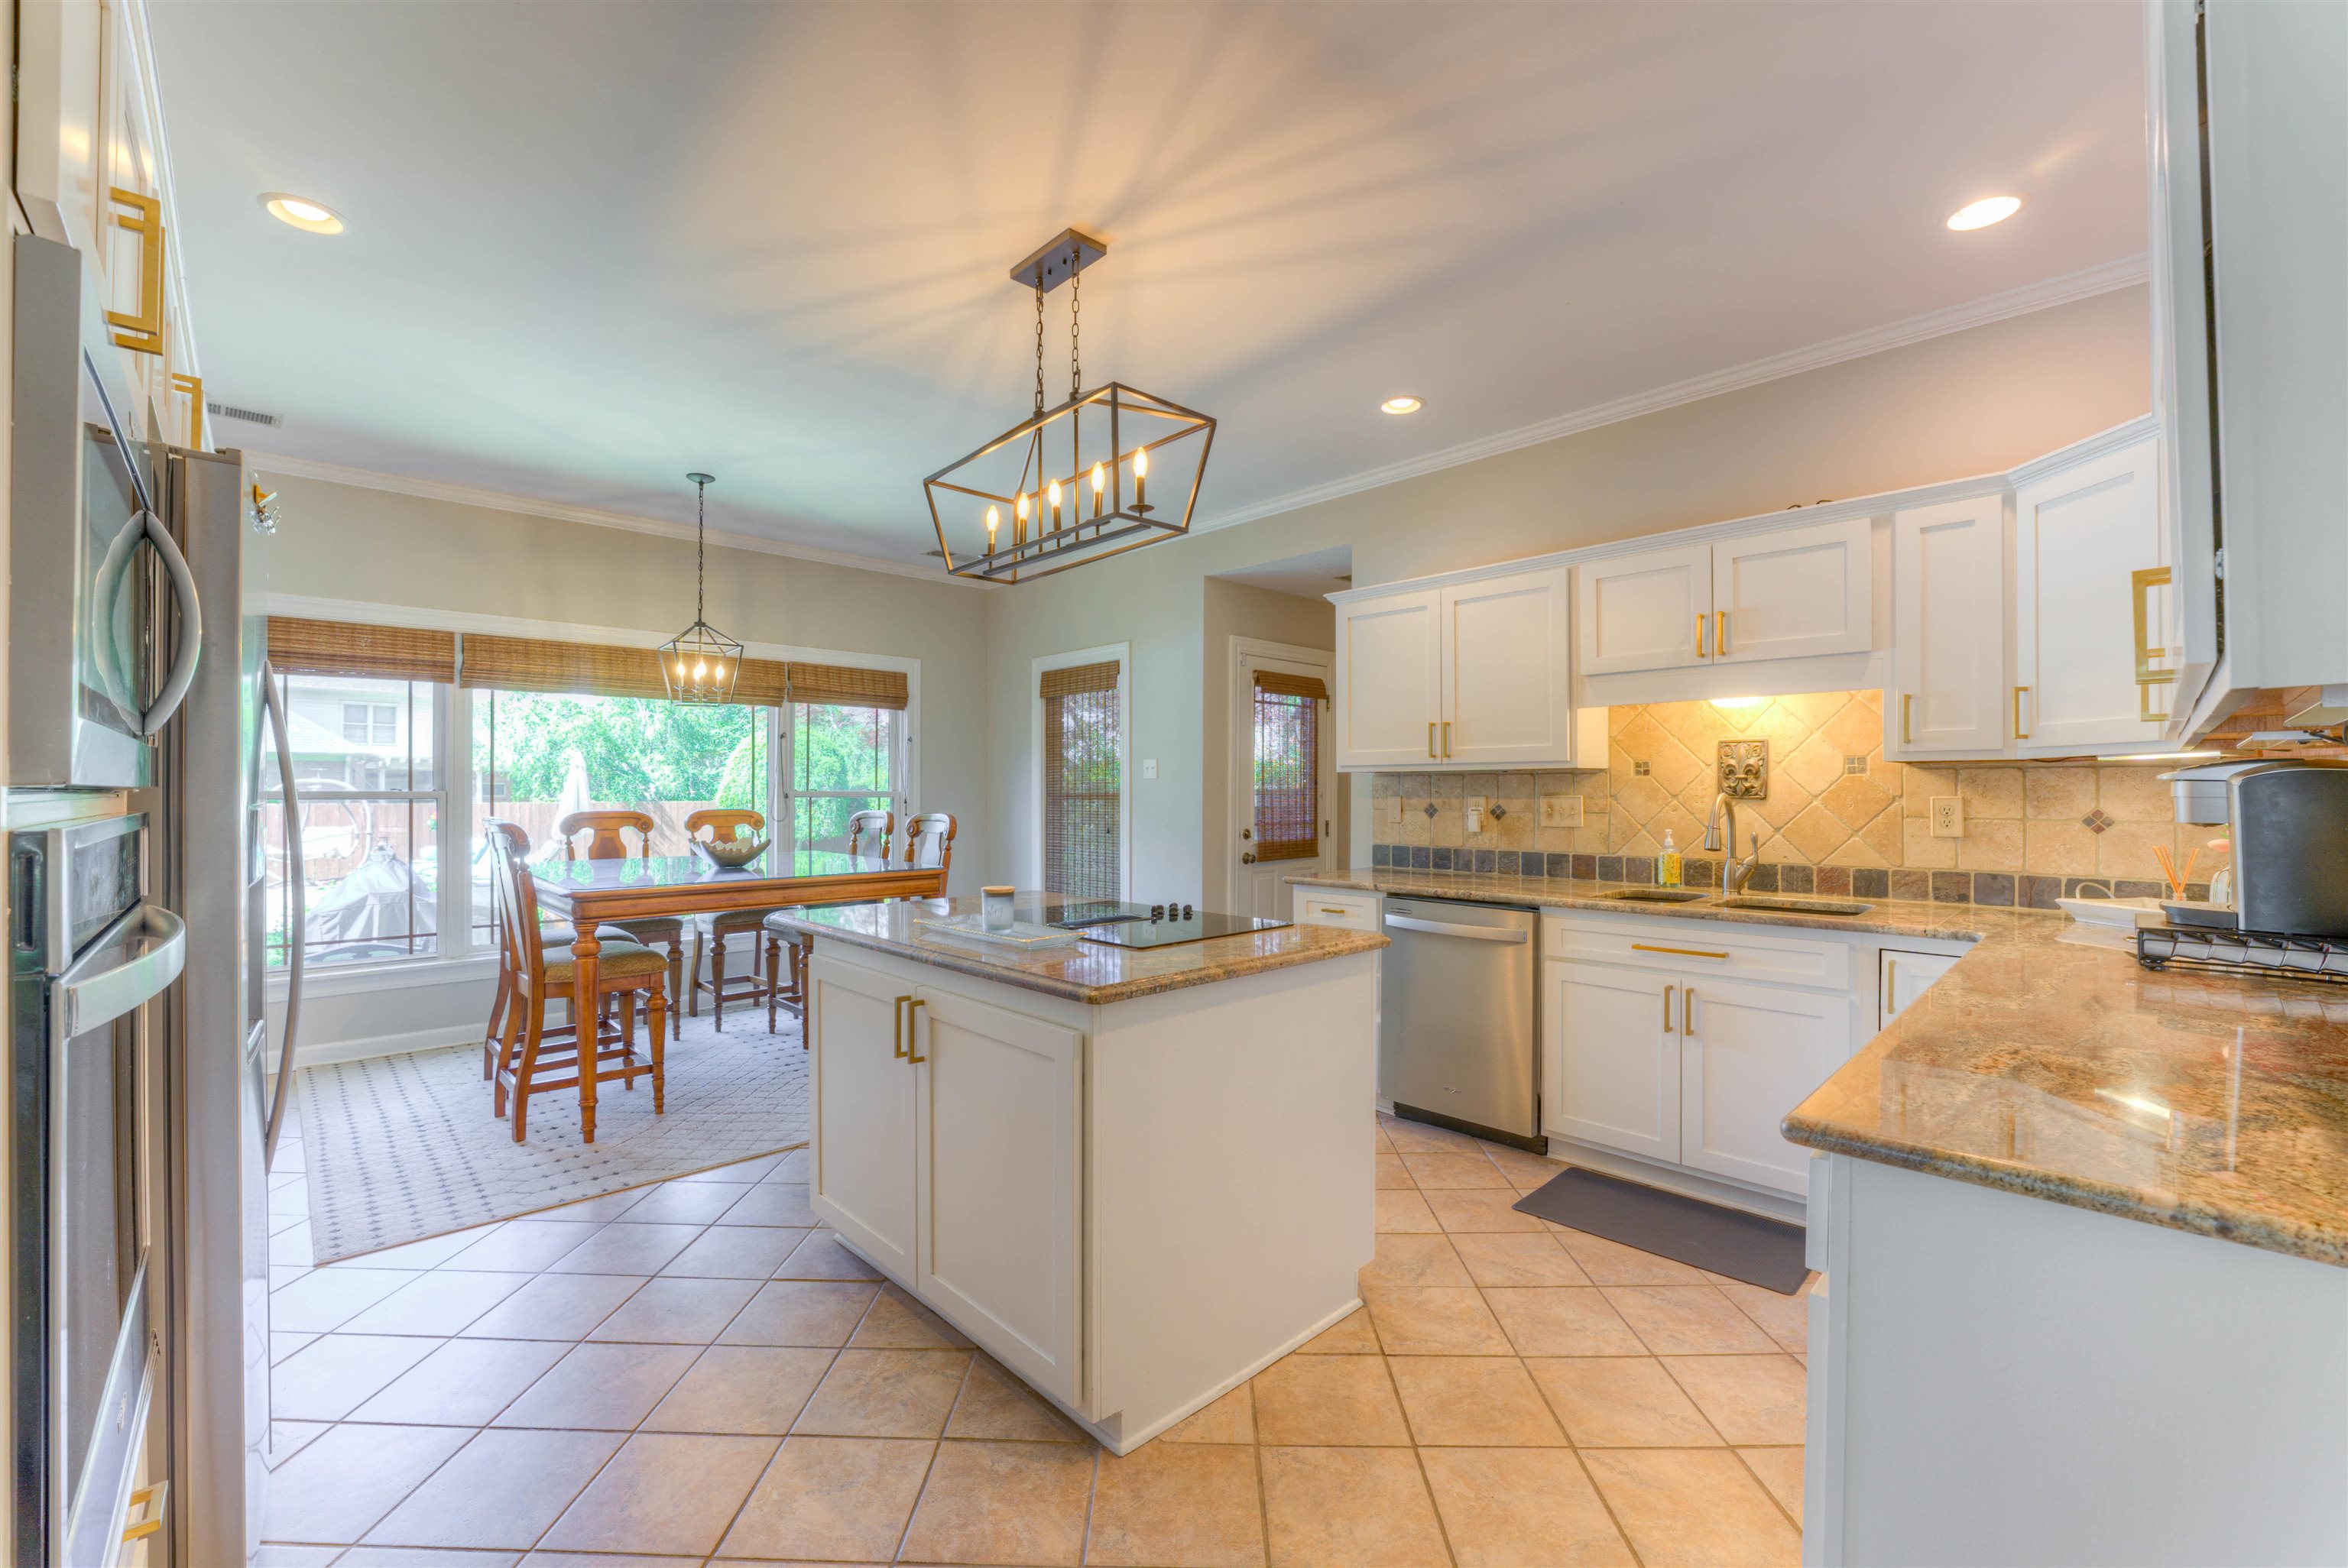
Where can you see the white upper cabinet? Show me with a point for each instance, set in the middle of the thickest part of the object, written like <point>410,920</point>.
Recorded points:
<point>1779,593</point>
<point>1949,638</point>
<point>1793,592</point>
<point>1475,673</point>
<point>2091,604</point>
<point>1507,682</point>
<point>1389,680</point>
<point>1650,612</point>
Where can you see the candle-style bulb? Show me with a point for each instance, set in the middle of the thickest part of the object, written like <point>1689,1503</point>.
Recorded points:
<point>1055,506</point>
<point>700,669</point>
<point>1140,479</point>
<point>1098,480</point>
<point>993,521</point>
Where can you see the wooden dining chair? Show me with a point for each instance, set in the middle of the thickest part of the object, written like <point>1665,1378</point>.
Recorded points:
<point>536,1057</point>
<point>712,932</point>
<point>607,834</point>
<point>870,834</point>
<point>503,833</point>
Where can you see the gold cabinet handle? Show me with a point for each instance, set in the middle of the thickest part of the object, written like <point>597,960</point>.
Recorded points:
<point>1687,1013</point>
<point>1682,952</point>
<point>194,385</point>
<point>1446,737</point>
<point>1719,634</point>
<point>1326,910</point>
<point>2019,732</point>
<point>913,1021</point>
<point>141,331</point>
<point>1430,738</point>
<point>1907,704</point>
<point>2140,587</point>
<point>1667,1008</point>
<point>897,1029</point>
<point>153,1499</point>
<point>1699,634</point>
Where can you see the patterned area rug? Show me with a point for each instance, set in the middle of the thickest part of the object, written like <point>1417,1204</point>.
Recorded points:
<point>404,1147</point>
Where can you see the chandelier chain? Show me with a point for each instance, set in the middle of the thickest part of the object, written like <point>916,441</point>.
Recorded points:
<point>1075,320</point>
<point>1039,341</point>
<point>700,519</point>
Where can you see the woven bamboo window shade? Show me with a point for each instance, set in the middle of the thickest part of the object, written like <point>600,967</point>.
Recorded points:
<point>1288,764</point>
<point>847,685</point>
<point>299,647</point>
<point>1084,830</point>
<point>595,670</point>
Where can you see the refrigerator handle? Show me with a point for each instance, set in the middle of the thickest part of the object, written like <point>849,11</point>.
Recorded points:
<point>192,629</point>
<point>297,914</point>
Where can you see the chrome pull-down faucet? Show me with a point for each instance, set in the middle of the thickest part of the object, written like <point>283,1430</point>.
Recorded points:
<point>1734,873</point>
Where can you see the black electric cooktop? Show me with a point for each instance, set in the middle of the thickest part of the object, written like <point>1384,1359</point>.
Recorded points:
<point>1117,924</point>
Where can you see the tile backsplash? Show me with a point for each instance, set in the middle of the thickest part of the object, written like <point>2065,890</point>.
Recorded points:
<point>1838,818</point>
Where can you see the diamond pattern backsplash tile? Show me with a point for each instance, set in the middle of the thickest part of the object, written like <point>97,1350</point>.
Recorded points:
<point>2034,832</point>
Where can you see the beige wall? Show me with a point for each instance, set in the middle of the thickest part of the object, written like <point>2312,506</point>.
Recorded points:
<point>1973,402</point>
<point>1243,610</point>
<point>342,542</point>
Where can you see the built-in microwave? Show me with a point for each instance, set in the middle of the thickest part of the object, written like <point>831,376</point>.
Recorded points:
<point>89,953</point>
<point>104,627</point>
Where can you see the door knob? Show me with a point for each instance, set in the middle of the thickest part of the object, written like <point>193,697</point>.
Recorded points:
<point>1247,857</point>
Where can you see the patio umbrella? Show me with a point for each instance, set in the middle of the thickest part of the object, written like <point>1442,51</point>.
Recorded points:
<point>573,797</point>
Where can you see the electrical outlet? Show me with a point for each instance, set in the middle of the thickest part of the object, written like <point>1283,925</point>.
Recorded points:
<point>1561,811</point>
<point>1392,808</point>
<point>1475,815</point>
<point>1948,816</point>
<point>1150,767</point>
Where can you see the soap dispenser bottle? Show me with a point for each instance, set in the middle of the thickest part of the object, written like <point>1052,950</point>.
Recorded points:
<point>1667,863</point>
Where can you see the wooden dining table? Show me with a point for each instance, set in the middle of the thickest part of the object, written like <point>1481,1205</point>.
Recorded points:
<point>588,893</point>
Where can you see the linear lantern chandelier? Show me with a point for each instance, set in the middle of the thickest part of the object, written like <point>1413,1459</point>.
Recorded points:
<point>1109,471</point>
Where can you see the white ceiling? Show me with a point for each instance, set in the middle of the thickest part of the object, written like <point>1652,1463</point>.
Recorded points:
<point>592,246</point>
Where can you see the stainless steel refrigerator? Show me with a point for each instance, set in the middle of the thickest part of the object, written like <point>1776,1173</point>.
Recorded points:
<point>138,1047</point>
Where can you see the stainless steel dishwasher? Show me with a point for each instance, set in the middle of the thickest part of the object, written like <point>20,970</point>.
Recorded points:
<point>1457,1035</point>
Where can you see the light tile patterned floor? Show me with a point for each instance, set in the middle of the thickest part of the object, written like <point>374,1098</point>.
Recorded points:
<point>695,1372</point>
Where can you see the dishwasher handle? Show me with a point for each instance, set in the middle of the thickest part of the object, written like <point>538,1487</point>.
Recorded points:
<point>1473,933</point>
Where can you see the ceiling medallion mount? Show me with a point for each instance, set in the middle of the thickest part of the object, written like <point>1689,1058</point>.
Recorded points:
<point>699,663</point>
<point>1108,471</point>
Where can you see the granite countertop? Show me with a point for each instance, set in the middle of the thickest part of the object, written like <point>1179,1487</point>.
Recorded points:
<point>1085,972</point>
<point>2048,1062</point>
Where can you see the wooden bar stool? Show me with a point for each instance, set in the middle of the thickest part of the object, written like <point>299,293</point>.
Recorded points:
<point>929,841</point>
<point>551,933</point>
<point>537,1056</point>
<point>712,932</point>
<point>606,832</point>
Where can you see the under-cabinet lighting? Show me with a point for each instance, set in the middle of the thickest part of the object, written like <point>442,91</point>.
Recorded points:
<point>1733,703</point>
<point>312,217</point>
<point>1981,214</point>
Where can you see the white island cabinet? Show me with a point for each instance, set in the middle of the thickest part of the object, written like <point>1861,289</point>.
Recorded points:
<point>1134,1178</point>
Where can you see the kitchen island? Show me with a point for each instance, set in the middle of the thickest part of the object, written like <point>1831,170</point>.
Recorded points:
<point>1134,1177</point>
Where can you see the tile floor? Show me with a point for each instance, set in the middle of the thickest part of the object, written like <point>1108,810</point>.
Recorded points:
<point>695,1372</point>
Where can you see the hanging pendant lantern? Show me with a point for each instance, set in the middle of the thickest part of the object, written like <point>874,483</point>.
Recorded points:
<point>700,663</point>
<point>1074,483</point>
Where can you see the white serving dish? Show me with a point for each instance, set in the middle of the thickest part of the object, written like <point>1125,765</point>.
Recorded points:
<point>1024,935</point>
<point>2126,914</point>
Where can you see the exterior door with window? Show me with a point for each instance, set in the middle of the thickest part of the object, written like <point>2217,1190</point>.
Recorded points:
<point>1281,765</point>
<point>1083,766</point>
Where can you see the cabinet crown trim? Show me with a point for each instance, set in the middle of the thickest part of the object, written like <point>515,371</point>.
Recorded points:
<point>1879,505</point>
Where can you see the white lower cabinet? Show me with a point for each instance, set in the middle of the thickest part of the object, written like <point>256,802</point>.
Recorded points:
<point>863,1092</point>
<point>1904,978</point>
<point>1614,1075</point>
<point>995,1151</point>
<point>1748,1054</point>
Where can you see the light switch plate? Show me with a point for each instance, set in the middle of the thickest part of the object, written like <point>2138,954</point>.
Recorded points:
<point>1150,767</point>
<point>1561,811</point>
<point>1948,816</point>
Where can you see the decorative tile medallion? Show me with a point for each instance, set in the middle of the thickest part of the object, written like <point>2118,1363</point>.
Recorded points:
<point>1743,770</point>
<point>2096,821</point>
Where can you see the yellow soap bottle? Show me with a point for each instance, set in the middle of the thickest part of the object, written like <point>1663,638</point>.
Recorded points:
<point>1667,863</point>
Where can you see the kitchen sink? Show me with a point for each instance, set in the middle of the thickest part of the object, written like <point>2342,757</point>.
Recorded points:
<point>1656,895</point>
<point>1794,905</point>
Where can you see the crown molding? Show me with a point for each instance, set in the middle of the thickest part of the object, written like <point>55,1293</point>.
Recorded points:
<point>558,511</point>
<point>1991,308</point>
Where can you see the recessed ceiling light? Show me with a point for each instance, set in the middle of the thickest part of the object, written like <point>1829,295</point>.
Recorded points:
<point>315,217</point>
<point>1405,404</point>
<point>1981,214</point>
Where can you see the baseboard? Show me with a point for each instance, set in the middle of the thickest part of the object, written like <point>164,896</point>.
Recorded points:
<point>329,1052</point>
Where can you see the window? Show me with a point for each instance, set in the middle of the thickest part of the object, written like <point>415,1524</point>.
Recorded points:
<point>539,756</point>
<point>1287,774</point>
<point>1083,762</point>
<point>370,802</point>
<point>844,759</point>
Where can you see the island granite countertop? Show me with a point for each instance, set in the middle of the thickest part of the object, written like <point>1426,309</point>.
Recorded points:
<point>2048,1062</point>
<point>1087,972</point>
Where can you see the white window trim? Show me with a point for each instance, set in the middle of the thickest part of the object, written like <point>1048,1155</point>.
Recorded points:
<point>784,819</point>
<point>1123,653</point>
<point>458,961</point>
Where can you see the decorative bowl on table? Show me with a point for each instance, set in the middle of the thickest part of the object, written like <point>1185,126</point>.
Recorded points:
<point>730,854</point>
